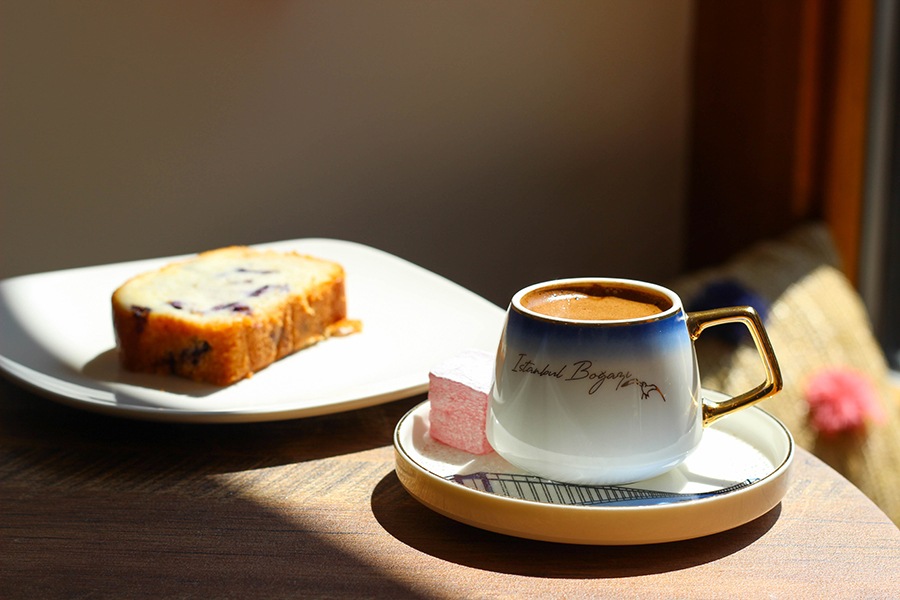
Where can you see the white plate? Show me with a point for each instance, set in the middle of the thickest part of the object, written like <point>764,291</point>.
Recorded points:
<point>56,337</point>
<point>738,473</point>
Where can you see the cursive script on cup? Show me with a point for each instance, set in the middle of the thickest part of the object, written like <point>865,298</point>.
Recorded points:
<point>582,370</point>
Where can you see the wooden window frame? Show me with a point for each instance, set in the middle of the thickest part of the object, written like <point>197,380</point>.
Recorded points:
<point>778,126</point>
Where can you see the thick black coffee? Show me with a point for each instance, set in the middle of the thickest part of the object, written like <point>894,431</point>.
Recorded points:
<point>596,302</point>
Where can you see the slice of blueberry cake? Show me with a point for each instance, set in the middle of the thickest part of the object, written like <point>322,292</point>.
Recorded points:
<point>227,313</point>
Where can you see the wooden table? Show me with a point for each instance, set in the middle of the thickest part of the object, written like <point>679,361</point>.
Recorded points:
<point>94,506</point>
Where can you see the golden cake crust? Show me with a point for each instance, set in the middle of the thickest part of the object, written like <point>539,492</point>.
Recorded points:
<point>227,313</point>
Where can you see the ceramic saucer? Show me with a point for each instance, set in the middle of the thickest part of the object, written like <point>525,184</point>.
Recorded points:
<point>739,472</point>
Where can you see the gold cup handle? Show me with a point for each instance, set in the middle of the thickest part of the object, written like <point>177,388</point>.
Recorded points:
<point>698,321</point>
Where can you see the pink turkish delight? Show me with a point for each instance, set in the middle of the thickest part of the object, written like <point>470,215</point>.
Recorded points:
<point>458,391</point>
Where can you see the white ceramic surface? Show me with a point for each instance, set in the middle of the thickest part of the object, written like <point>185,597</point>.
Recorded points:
<point>597,401</point>
<point>749,449</point>
<point>56,337</point>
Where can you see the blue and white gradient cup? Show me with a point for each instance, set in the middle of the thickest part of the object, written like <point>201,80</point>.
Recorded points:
<point>602,397</point>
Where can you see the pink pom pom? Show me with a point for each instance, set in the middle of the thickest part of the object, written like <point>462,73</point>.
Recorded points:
<point>842,400</point>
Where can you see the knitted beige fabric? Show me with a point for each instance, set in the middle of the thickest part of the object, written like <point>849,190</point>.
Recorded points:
<point>816,321</point>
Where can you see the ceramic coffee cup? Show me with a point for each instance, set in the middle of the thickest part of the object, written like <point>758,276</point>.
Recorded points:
<point>596,380</point>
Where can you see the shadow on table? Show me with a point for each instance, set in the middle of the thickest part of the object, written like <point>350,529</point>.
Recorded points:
<point>181,450</point>
<point>74,487</point>
<point>425,530</point>
<point>96,546</point>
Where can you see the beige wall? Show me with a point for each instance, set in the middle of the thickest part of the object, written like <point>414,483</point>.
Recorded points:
<point>496,143</point>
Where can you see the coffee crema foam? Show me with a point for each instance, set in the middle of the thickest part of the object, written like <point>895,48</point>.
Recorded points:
<point>596,303</point>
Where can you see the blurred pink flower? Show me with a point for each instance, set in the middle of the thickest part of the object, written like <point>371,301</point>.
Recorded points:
<point>842,400</point>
